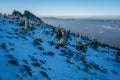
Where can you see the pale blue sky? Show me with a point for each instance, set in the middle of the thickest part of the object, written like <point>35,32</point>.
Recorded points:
<point>63,7</point>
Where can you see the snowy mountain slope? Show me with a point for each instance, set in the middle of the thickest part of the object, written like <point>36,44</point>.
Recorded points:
<point>24,57</point>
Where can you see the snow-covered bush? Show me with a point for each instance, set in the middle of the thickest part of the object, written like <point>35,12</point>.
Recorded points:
<point>38,23</point>
<point>94,43</point>
<point>53,37</point>
<point>59,31</point>
<point>26,24</point>
<point>36,42</point>
<point>118,53</point>
<point>67,34</point>
<point>22,22</point>
<point>4,15</point>
<point>60,43</point>
<point>3,46</point>
<point>118,56</point>
<point>31,26</point>
<point>59,34</point>
<point>0,14</point>
<point>39,36</point>
<point>82,47</point>
<point>79,35</point>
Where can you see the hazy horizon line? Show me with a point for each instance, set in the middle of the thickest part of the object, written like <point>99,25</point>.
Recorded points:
<point>79,17</point>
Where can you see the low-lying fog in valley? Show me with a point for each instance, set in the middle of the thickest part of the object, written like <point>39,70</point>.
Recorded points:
<point>106,30</point>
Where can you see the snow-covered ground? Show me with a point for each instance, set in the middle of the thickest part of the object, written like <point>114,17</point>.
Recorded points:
<point>23,57</point>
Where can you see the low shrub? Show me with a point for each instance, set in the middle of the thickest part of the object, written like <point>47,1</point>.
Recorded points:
<point>13,62</point>
<point>44,74</point>
<point>3,46</point>
<point>36,64</point>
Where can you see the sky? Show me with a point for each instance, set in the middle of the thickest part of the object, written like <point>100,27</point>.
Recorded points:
<point>63,7</point>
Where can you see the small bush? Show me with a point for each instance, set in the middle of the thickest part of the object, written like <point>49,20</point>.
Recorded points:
<point>118,53</point>
<point>118,56</point>
<point>51,43</point>
<point>57,46</point>
<point>71,54</point>
<point>25,61</point>
<point>68,61</point>
<point>33,59</point>
<point>9,56</point>
<point>36,64</point>
<point>44,74</point>
<point>34,53</point>
<point>3,46</point>
<point>46,32</point>
<point>86,79</point>
<point>13,62</point>
<point>44,53</point>
<point>0,77</point>
<point>86,70</point>
<point>82,47</point>
<point>43,62</point>
<point>60,45</point>
<point>96,67</point>
<point>115,72</point>
<point>19,77</point>
<point>22,23</point>
<point>40,48</point>
<point>78,68</point>
<point>50,53</point>
<point>104,70</point>
<point>94,43</point>
<point>36,42</point>
<point>12,49</point>
<point>63,52</point>
<point>32,28</point>
<point>26,69</point>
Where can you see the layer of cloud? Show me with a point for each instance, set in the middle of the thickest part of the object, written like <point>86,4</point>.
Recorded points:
<point>109,27</point>
<point>101,32</point>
